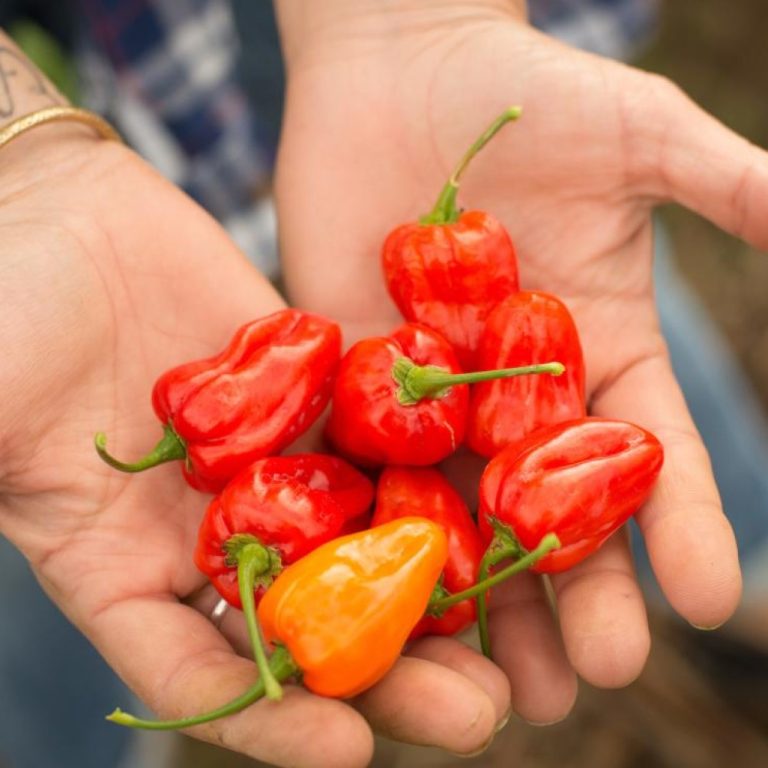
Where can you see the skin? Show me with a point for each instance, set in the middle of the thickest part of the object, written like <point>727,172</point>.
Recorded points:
<point>575,180</point>
<point>101,292</point>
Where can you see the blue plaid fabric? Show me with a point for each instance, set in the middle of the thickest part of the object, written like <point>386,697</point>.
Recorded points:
<point>615,28</point>
<point>175,62</point>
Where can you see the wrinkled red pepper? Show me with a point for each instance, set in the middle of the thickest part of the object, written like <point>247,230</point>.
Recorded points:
<point>425,492</point>
<point>252,400</point>
<point>402,399</point>
<point>449,269</point>
<point>581,480</point>
<point>288,504</point>
<point>367,422</point>
<point>529,325</point>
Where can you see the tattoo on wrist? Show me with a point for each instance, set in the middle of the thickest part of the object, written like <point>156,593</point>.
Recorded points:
<point>20,81</point>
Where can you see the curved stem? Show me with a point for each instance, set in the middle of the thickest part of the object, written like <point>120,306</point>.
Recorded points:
<point>170,448</point>
<point>282,666</point>
<point>253,561</point>
<point>445,210</point>
<point>490,559</point>
<point>420,381</point>
<point>548,543</point>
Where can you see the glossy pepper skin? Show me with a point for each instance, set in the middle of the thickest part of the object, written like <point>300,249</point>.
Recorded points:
<point>252,400</point>
<point>450,268</point>
<point>371,427</point>
<point>425,492</point>
<point>450,276</point>
<point>529,325</point>
<point>291,504</point>
<point>581,480</point>
<point>345,611</point>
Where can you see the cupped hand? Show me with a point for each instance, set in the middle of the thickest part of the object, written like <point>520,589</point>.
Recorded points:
<point>110,276</point>
<point>381,104</point>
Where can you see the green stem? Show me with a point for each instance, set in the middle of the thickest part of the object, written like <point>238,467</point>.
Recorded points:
<point>546,545</point>
<point>445,210</point>
<point>420,381</point>
<point>489,560</point>
<point>170,448</point>
<point>253,561</point>
<point>282,666</point>
<point>256,564</point>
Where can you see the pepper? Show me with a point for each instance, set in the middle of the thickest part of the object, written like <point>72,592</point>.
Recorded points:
<point>581,479</point>
<point>425,492</point>
<point>402,399</point>
<point>289,504</point>
<point>345,612</point>
<point>340,616</point>
<point>449,269</point>
<point>346,609</point>
<point>250,401</point>
<point>529,325</point>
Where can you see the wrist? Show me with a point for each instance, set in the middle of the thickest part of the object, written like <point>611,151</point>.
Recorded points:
<point>306,26</point>
<point>43,149</point>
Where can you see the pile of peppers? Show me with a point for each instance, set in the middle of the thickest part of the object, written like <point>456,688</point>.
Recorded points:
<point>338,559</point>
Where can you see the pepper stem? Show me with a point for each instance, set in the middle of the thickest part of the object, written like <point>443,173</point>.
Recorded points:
<point>282,666</point>
<point>170,448</point>
<point>546,545</point>
<point>503,546</point>
<point>445,210</point>
<point>253,561</point>
<point>420,381</point>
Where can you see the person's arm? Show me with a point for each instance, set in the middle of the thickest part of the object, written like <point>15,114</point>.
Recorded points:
<point>381,100</point>
<point>105,267</point>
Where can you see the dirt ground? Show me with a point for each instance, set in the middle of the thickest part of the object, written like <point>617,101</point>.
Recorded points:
<point>702,701</point>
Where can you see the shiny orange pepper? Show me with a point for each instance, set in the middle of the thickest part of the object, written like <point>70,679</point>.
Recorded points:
<point>345,610</point>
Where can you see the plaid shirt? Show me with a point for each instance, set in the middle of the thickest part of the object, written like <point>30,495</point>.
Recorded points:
<point>166,72</point>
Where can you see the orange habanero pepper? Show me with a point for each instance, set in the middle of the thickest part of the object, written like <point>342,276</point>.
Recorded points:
<point>345,611</point>
<point>340,616</point>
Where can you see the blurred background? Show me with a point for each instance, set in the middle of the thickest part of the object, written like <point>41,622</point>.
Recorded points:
<point>702,701</point>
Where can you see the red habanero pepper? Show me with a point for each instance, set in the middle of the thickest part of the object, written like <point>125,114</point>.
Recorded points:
<point>401,399</point>
<point>250,401</point>
<point>450,268</point>
<point>526,326</point>
<point>425,492</point>
<point>289,505</point>
<point>580,479</point>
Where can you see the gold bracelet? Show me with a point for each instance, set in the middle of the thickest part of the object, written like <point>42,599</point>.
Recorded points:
<point>55,115</point>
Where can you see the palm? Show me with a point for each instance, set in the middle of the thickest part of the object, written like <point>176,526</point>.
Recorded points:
<point>126,284</point>
<point>574,181</point>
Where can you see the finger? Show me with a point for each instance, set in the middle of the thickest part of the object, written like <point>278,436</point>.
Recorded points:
<point>690,543</point>
<point>420,702</point>
<point>459,657</point>
<point>526,644</point>
<point>602,616</point>
<point>688,156</point>
<point>180,665</point>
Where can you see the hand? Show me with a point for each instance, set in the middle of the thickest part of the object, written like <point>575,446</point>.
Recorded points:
<point>381,103</point>
<point>110,276</point>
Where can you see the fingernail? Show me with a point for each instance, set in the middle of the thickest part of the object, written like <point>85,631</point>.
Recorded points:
<point>543,724</point>
<point>504,720</point>
<point>476,752</point>
<point>707,629</point>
